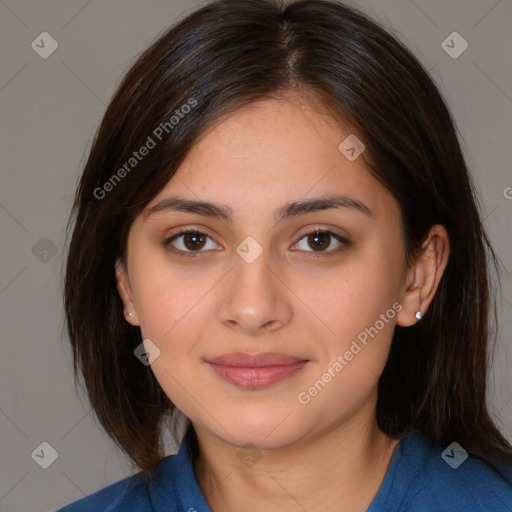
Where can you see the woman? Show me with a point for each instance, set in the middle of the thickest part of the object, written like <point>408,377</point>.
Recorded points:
<point>276,237</point>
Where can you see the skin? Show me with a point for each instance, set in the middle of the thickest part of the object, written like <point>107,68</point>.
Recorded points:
<point>321,456</point>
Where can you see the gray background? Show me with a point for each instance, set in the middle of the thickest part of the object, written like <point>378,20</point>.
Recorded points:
<point>50,109</point>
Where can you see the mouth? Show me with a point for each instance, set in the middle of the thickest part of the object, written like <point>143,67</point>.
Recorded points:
<point>254,371</point>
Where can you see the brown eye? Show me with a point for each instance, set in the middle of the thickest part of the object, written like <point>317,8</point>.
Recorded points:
<point>194,241</point>
<point>188,242</point>
<point>320,241</point>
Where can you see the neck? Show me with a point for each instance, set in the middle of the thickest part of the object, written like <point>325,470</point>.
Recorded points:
<point>340,469</point>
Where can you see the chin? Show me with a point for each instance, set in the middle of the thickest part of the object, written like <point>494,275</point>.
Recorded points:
<point>267,433</point>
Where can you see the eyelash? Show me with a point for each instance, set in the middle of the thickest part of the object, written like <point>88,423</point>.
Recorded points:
<point>194,254</point>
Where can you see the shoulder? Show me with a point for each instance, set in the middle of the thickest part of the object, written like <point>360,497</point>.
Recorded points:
<point>472,486</point>
<point>131,494</point>
<point>172,487</point>
<point>425,478</point>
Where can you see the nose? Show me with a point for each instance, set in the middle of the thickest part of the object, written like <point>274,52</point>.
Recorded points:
<point>254,298</point>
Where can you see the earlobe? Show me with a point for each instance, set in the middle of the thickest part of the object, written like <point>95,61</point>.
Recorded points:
<point>125,292</point>
<point>424,276</point>
<point>411,304</point>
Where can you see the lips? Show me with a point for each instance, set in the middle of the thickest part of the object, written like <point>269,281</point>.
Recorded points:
<point>255,360</point>
<point>255,370</point>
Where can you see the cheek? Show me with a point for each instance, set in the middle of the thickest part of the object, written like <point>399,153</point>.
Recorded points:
<point>356,294</point>
<point>172,310</point>
<point>167,295</point>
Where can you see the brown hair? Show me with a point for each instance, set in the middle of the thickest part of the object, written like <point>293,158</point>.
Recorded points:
<point>228,54</point>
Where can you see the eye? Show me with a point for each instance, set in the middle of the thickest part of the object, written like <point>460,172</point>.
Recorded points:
<point>321,240</point>
<point>191,241</point>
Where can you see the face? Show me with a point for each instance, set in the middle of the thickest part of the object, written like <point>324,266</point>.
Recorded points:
<point>269,334</point>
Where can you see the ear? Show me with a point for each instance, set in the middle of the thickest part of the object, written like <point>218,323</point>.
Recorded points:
<point>424,275</point>
<point>125,292</point>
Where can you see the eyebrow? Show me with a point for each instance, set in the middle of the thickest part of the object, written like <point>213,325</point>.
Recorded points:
<point>291,209</point>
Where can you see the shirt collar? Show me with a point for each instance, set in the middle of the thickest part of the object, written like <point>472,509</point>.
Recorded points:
<point>176,483</point>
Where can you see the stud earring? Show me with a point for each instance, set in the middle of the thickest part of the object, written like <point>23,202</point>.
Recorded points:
<point>130,314</point>
<point>418,315</point>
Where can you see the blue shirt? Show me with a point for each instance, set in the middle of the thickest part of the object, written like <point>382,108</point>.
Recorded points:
<point>418,479</point>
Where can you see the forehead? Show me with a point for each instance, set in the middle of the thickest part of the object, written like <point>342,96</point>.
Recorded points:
<point>272,152</point>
